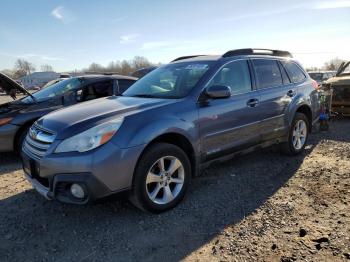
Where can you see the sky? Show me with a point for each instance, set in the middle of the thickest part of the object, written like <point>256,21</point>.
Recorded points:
<point>72,34</point>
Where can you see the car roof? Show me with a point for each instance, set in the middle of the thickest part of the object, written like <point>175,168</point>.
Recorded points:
<point>238,53</point>
<point>117,77</point>
<point>220,58</point>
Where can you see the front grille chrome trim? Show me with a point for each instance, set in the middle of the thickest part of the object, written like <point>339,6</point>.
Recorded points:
<point>38,141</point>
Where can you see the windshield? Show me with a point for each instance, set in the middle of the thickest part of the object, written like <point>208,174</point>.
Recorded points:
<point>170,81</point>
<point>54,90</point>
<point>316,76</point>
<point>51,83</point>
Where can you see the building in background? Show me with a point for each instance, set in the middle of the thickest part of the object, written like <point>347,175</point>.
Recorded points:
<point>38,79</point>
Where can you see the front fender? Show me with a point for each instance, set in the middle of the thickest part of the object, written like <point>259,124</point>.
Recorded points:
<point>154,129</point>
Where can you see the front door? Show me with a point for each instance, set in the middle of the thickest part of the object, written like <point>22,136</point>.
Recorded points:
<point>230,124</point>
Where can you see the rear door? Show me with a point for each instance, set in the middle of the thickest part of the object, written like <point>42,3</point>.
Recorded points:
<point>276,93</point>
<point>230,124</point>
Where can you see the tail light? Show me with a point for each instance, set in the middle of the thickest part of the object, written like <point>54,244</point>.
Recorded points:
<point>315,84</point>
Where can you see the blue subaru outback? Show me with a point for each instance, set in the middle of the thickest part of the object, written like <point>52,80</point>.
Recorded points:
<point>168,126</point>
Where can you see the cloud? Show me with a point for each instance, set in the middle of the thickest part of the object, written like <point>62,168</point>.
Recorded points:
<point>125,39</point>
<point>40,56</point>
<point>254,15</point>
<point>62,14</point>
<point>155,44</point>
<point>117,19</point>
<point>321,5</point>
<point>33,56</point>
<point>333,5</point>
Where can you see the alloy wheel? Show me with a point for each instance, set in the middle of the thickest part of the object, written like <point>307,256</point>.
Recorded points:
<point>299,134</point>
<point>165,180</point>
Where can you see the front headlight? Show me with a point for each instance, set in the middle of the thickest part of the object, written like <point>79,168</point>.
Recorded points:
<point>90,139</point>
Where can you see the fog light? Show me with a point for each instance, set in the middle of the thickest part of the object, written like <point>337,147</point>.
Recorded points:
<point>77,191</point>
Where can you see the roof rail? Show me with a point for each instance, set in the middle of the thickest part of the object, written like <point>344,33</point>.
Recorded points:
<point>257,51</point>
<point>185,57</point>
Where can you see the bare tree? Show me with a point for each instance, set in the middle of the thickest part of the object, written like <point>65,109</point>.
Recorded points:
<point>333,64</point>
<point>124,67</point>
<point>8,72</point>
<point>94,67</point>
<point>46,68</point>
<point>23,66</point>
<point>140,62</point>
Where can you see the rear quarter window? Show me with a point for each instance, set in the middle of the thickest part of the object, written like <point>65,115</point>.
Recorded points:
<point>124,85</point>
<point>295,73</point>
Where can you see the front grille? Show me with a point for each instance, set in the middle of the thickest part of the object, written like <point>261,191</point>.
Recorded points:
<point>38,140</point>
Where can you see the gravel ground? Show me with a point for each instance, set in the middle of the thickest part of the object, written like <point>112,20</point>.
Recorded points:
<point>257,207</point>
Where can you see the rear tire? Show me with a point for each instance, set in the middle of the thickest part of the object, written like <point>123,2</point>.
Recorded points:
<point>297,136</point>
<point>161,178</point>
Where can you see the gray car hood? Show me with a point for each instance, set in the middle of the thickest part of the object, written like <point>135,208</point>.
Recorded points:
<point>78,118</point>
<point>9,85</point>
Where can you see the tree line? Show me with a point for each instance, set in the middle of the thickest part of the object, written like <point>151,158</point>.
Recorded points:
<point>23,67</point>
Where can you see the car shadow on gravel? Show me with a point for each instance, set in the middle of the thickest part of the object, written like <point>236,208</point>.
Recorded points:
<point>9,162</point>
<point>114,230</point>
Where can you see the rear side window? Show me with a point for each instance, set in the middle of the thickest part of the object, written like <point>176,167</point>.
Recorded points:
<point>294,71</point>
<point>124,85</point>
<point>267,73</point>
<point>285,77</point>
<point>97,90</point>
<point>235,75</point>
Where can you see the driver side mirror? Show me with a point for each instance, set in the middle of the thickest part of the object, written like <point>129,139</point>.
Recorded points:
<point>218,91</point>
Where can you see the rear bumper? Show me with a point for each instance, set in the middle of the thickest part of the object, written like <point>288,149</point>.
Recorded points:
<point>7,137</point>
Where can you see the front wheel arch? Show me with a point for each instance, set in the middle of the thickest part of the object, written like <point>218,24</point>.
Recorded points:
<point>178,140</point>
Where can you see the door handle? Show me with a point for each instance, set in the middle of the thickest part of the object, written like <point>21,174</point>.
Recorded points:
<point>291,93</point>
<point>252,102</point>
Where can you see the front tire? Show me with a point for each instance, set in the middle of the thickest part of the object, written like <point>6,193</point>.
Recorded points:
<point>161,178</point>
<point>297,136</point>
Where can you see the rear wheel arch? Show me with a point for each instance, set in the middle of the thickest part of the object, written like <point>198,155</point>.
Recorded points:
<point>306,110</point>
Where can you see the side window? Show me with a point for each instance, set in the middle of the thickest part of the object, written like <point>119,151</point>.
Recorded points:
<point>97,90</point>
<point>235,75</point>
<point>124,85</point>
<point>267,73</point>
<point>285,77</point>
<point>294,71</point>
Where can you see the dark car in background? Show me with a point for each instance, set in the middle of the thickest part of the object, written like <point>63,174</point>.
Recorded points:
<point>17,116</point>
<point>169,125</point>
<point>340,86</point>
<point>143,71</point>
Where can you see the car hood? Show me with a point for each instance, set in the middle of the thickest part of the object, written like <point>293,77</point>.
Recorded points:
<point>8,84</point>
<point>339,80</point>
<point>78,118</point>
<point>12,107</point>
